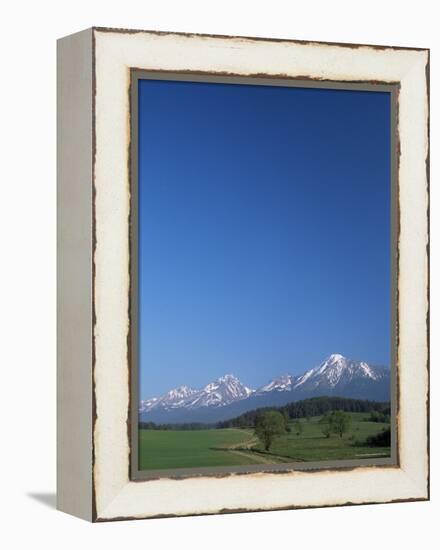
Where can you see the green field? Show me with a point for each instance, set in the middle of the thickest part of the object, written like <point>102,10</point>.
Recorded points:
<point>312,445</point>
<point>169,449</point>
<point>192,448</point>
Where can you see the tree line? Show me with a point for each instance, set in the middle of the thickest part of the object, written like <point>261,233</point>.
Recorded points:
<point>315,406</point>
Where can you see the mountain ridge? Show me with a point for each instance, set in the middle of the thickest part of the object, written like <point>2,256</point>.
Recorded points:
<point>227,396</point>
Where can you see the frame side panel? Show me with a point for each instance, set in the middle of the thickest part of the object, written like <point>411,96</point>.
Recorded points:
<point>74,274</point>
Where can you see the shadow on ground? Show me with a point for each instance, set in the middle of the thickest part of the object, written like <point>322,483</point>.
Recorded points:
<point>47,499</point>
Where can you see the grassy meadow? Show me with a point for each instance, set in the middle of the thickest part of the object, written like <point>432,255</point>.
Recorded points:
<point>170,449</point>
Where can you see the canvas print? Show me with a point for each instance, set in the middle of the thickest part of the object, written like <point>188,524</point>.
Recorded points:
<point>264,268</point>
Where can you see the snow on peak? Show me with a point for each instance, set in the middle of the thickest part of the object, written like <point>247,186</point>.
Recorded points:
<point>282,383</point>
<point>222,391</point>
<point>227,378</point>
<point>336,358</point>
<point>221,381</point>
<point>181,391</point>
<point>368,371</point>
<point>303,378</point>
<point>338,369</point>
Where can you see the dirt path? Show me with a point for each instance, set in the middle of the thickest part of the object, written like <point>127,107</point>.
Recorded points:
<point>244,444</point>
<point>240,449</point>
<point>256,458</point>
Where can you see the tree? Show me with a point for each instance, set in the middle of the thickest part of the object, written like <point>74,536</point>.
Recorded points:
<point>286,420</point>
<point>326,430</point>
<point>382,439</point>
<point>335,422</point>
<point>298,427</point>
<point>326,427</point>
<point>340,422</point>
<point>268,426</point>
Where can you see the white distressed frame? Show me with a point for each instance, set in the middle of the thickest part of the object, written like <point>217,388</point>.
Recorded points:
<point>114,495</point>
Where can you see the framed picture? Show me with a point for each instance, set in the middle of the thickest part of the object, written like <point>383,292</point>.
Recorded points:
<point>242,274</point>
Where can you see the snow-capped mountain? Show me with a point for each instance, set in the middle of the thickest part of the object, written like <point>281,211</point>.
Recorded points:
<point>335,372</point>
<point>338,371</point>
<point>227,396</point>
<point>172,399</point>
<point>221,392</point>
<point>282,383</point>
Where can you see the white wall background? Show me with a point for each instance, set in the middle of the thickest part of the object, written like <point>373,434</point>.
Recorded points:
<point>27,289</point>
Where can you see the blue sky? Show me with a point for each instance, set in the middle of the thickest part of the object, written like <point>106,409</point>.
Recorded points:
<point>264,230</point>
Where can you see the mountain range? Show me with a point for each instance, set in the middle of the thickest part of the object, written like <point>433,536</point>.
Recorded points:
<point>227,396</point>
